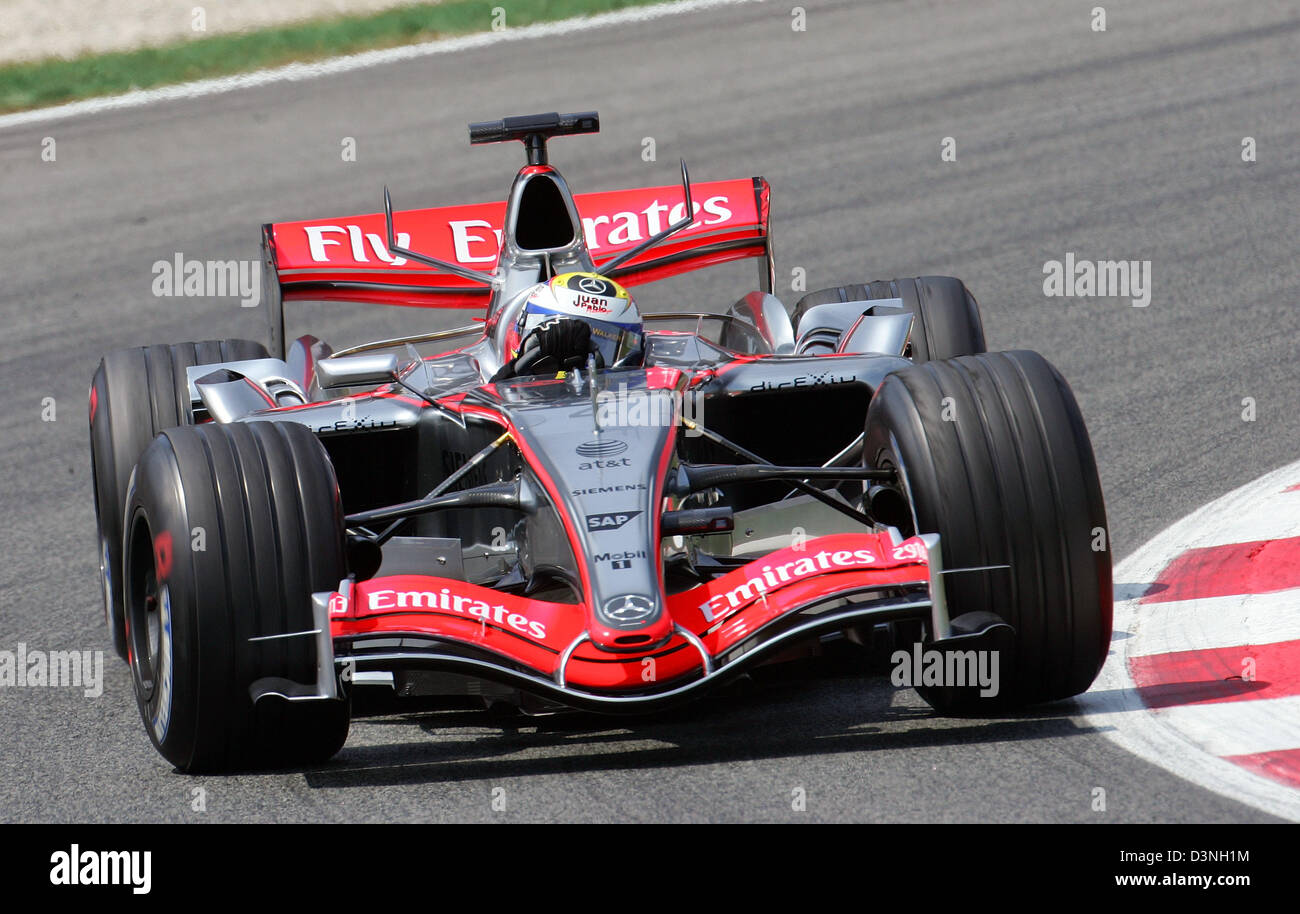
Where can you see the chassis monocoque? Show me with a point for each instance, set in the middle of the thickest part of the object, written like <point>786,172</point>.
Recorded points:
<point>281,526</point>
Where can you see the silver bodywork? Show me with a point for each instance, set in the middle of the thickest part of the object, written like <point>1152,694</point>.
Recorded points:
<point>609,478</point>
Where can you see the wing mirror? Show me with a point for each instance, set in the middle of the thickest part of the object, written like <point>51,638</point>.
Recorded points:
<point>356,370</point>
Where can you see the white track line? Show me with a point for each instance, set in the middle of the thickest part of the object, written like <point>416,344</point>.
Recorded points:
<point>1255,526</point>
<point>334,65</point>
<point>1238,727</point>
<point>1244,620</point>
<point>1178,742</point>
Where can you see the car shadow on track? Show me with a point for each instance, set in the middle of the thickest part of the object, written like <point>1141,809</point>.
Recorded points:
<point>794,713</point>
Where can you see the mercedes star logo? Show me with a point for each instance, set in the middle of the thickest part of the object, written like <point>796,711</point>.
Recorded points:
<point>630,607</point>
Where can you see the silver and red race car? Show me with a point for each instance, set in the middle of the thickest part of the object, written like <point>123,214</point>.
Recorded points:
<point>281,527</point>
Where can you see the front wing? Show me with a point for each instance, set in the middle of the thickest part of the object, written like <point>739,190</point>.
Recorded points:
<point>720,629</point>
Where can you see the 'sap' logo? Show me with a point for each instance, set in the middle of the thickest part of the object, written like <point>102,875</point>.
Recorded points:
<point>612,521</point>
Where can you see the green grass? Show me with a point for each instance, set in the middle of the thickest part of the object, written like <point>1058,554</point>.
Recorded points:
<point>51,82</point>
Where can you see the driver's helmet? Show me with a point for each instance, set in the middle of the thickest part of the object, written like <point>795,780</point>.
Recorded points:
<point>601,303</point>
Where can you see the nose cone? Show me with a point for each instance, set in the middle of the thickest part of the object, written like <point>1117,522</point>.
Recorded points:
<point>630,621</point>
<point>607,458</point>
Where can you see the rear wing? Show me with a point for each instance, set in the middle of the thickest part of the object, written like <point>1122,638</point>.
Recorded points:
<point>348,260</point>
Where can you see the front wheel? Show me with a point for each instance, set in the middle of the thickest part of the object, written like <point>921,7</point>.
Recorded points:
<point>231,528</point>
<point>992,454</point>
<point>134,395</point>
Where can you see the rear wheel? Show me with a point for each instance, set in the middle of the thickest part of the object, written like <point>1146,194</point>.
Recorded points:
<point>946,319</point>
<point>994,457</point>
<point>135,394</point>
<point>231,530</point>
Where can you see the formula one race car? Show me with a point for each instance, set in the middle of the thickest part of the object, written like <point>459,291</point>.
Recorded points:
<point>579,506</point>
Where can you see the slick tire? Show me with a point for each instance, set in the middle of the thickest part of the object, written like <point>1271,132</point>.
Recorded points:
<point>946,319</point>
<point>135,394</point>
<point>993,456</point>
<point>230,529</point>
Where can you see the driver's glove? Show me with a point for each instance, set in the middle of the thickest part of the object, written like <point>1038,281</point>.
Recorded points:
<point>559,345</point>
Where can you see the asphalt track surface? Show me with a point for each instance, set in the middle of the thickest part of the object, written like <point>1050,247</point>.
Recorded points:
<point>1117,145</point>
